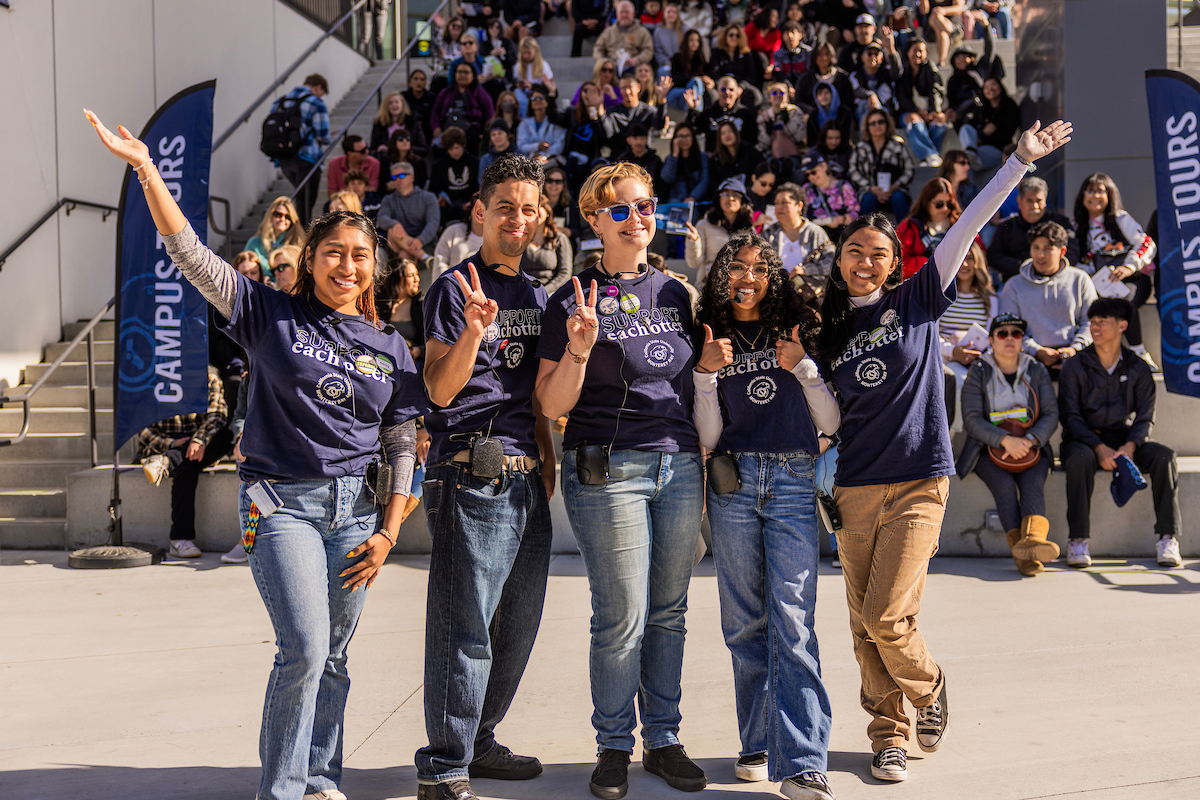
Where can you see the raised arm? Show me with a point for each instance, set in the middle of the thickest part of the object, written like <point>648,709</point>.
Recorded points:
<point>449,367</point>
<point>212,276</point>
<point>1037,142</point>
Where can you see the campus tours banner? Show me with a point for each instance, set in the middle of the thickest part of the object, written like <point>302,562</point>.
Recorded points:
<point>1174,101</point>
<point>161,361</point>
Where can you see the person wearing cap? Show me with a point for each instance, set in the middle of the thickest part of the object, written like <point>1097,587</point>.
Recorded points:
<point>730,214</point>
<point>1099,392</point>
<point>537,134</point>
<point>864,34</point>
<point>501,138</point>
<point>873,81</point>
<point>1006,383</point>
<point>637,151</point>
<point>830,200</point>
<point>965,97</point>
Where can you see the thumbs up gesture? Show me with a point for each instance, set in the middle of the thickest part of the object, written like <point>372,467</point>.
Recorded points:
<point>789,352</point>
<point>716,353</point>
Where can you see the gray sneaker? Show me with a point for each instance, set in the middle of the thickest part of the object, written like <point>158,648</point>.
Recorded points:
<point>751,767</point>
<point>811,785</point>
<point>932,721</point>
<point>890,764</point>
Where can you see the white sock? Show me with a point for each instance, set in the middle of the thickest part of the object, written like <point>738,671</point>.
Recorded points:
<point>1140,349</point>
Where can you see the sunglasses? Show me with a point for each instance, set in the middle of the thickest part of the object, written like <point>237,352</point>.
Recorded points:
<point>963,163</point>
<point>400,176</point>
<point>758,272</point>
<point>280,215</point>
<point>939,204</point>
<point>777,93</point>
<point>728,89</point>
<point>882,123</point>
<point>808,172</point>
<point>1009,333</point>
<point>621,211</point>
<point>536,98</point>
<point>765,184</point>
<point>557,181</point>
<point>607,69</point>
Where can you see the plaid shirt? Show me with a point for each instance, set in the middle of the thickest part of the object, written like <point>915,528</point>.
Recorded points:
<point>316,123</point>
<point>200,428</point>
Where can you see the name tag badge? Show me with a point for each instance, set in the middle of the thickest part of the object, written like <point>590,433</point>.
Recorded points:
<point>264,496</point>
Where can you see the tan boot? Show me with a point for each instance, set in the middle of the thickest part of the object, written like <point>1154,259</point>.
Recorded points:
<point>1026,568</point>
<point>1034,546</point>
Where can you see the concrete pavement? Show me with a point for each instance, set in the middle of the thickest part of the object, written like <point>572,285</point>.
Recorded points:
<point>148,683</point>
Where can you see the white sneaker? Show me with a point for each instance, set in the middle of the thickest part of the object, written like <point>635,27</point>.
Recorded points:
<point>326,794</point>
<point>890,764</point>
<point>184,548</point>
<point>1077,553</point>
<point>934,160</point>
<point>155,468</point>
<point>237,555</point>
<point>1167,551</point>
<point>1144,356</point>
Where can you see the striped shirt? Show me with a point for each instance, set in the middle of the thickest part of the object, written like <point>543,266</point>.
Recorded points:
<point>966,309</point>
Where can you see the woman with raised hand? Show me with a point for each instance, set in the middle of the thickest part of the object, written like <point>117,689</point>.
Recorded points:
<point>309,504</point>
<point>879,348</point>
<point>620,363</point>
<point>760,402</point>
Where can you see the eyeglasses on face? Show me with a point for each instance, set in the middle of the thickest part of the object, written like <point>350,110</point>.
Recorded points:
<point>738,270</point>
<point>881,123</point>
<point>1009,333</point>
<point>621,211</point>
<point>731,195</point>
<point>280,215</point>
<point>728,89</point>
<point>556,181</point>
<point>400,176</point>
<point>777,93</point>
<point>282,265</point>
<point>939,204</point>
<point>607,69</point>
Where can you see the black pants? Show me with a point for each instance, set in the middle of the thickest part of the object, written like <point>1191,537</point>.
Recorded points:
<point>1156,461</point>
<point>294,169</point>
<point>1142,285</point>
<point>1017,494</point>
<point>185,475</point>
<point>582,32</point>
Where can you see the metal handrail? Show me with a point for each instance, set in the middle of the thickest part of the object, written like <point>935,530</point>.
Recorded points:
<point>27,395</point>
<point>336,140</point>
<point>71,204</point>
<point>280,79</point>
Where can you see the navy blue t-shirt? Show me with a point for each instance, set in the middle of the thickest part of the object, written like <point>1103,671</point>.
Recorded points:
<point>498,398</point>
<point>637,390</point>
<point>890,383</point>
<point>321,385</point>
<point>763,408</point>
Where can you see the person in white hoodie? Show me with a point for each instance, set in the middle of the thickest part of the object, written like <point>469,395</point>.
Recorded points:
<point>1052,296</point>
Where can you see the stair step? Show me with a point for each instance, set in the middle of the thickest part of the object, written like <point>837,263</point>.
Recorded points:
<point>51,396</point>
<point>36,503</point>
<point>31,474</point>
<point>33,533</point>
<point>63,446</point>
<point>71,373</point>
<point>54,420</point>
<point>104,350</point>
<point>105,330</point>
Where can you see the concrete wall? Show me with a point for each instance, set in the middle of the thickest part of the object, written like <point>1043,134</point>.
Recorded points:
<point>122,58</point>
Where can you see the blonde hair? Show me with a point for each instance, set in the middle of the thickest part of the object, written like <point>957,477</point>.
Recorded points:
<point>598,191</point>
<point>292,251</point>
<point>295,232</point>
<point>383,117</point>
<point>596,73</point>
<point>742,46</point>
<point>349,200</point>
<point>536,67</point>
<point>678,26</point>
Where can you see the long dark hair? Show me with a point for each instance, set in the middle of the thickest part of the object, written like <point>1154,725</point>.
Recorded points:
<point>837,312</point>
<point>743,220</point>
<point>724,155</point>
<point>781,309</point>
<point>690,164</point>
<point>936,186</point>
<point>695,63</point>
<point>1083,218</point>
<point>322,229</point>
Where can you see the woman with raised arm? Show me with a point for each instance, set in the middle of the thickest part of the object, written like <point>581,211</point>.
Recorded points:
<point>760,402</point>
<point>620,363</point>
<point>311,495</point>
<point>879,347</point>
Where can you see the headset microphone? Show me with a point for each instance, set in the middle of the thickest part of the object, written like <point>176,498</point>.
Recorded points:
<point>740,297</point>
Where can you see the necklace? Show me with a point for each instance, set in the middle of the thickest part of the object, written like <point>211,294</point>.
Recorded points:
<point>753,345</point>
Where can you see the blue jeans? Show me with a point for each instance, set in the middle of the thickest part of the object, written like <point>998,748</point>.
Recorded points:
<point>637,535</point>
<point>898,200</point>
<point>297,555</point>
<point>675,95</point>
<point>765,546</point>
<point>925,140</point>
<point>989,157</point>
<point>487,584</point>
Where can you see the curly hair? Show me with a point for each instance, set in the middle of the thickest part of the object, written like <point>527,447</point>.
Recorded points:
<point>322,229</point>
<point>509,166</point>
<point>781,308</point>
<point>837,312</point>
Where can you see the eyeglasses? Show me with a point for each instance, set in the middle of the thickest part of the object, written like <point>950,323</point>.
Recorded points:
<point>728,89</point>
<point>731,195</point>
<point>400,176</point>
<point>939,204</point>
<point>1009,333</point>
<point>765,184</point>
<point>284,265</point>
<point>621,211</point>
<point>963,163</point>
<point>556,181</point>
<point>607,69</point>
<point>536,98</point>
<point>280,215</point>
<point>777,93</point>
<point>882,123</point>
<point>758,272</point>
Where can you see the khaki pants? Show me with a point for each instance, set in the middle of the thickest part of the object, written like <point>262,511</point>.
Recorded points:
<point>888,535</point>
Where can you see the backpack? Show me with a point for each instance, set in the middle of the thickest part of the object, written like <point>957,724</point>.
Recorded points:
<point>282,130</point>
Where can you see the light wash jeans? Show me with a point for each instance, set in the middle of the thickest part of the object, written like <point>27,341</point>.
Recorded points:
<point>297,556</point>
<point>989,157</point>
<point>765,546</point>
<point>925,140</point>
<point>637,535</point>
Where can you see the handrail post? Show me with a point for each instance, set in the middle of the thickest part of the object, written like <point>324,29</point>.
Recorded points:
<point>91,382</point>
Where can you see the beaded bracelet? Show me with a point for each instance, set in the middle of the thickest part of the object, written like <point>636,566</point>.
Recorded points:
<point>1029,165</point>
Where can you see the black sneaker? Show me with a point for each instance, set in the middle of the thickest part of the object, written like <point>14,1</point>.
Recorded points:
<point>811,785</point>
<point>890,764</point>
<point>932,721</point>
<point>610,778</point>
<point>450,790</point>
<point>752,767</point>
<point>672,764</point>
<point>501,764</point>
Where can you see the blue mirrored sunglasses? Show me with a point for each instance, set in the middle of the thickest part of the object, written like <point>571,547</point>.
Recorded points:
<point>620,212</point>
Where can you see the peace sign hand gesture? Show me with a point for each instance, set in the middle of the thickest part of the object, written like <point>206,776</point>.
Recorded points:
<point>478,311</point>
<point>789,352</point>
<point>1038,142</point>
<point>583,326</point>
<point>125,147</point>
<point>715,354</point>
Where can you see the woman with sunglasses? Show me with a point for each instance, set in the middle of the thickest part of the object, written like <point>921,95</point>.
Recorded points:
<point>732,213</point>
<point>956,170</point>
<point>781,124</point>
<point>1002,381</point>
<point>604,78</point>
<point>759,403</point>
<point>619,361</point>
<point>831,200</point>
<point>562,206</point>
<point>279,226</point>
<point>879,348</point>
<point>882,157</point>
<point>935,211</point>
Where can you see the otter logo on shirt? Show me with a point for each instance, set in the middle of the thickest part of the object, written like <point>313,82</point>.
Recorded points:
<point>513,354</point>
<point>333,389</point>
<point>866,341</point>
<point>871,372</point>
<point>658,353</point>
<point>761,390</point>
